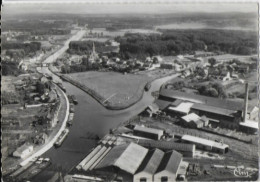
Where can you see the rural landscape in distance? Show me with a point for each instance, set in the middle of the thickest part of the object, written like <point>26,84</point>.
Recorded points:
<point>129,92</point>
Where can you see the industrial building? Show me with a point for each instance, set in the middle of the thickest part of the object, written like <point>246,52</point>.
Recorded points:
<point>169,166</point>
<point>187,150</point>
<point>145,132</point>
<point>130,154</point>
<point>133,162</point>
<point>149,166</point>
<point>219,112</point>
<point>205,144</point>
<point>192,120</point>
<point>249,126</point>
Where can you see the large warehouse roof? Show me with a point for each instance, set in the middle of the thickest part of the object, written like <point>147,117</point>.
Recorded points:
<point>170,162</point>
<point>167,145</point>
<point>221,103</point>
<point>151,161</point>
<point>148,130</point>
<point>203,141</point>
<point>127,157</point>
<point>212,109</point>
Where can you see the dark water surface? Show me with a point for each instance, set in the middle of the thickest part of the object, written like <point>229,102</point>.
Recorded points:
<point>90,119</point>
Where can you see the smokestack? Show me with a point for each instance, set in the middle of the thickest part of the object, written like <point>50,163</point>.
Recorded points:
<point>245,102</point>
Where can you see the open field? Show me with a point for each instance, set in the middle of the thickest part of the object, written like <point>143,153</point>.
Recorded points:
<point>115,87</point>
<point>7,83</point>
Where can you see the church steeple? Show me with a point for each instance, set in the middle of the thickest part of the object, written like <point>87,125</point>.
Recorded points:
<point>93,49</point>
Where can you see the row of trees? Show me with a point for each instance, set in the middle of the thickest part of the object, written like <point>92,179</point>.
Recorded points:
<point>173,42</point>
<point>10,68</point>
<point>31,47</point>
<point>213,90</point>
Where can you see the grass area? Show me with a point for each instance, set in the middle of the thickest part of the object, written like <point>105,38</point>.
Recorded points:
<point>7,83</point>
<point>116,87</point>
<point>118,90</point>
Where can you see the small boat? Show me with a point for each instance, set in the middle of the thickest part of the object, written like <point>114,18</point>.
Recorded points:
<point>147,86</point>
<point>74,99</point>
<point>72,108</point>
<point>61,138</point>
<point>70,119</point>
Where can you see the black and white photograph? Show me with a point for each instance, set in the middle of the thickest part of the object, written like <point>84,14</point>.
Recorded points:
<point>129,91</point>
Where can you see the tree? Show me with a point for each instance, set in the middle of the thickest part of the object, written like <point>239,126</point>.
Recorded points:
<point>212,61</point>
<point>40,87</point>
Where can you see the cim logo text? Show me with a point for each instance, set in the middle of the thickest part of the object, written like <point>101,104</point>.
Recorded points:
<point>239,172</point>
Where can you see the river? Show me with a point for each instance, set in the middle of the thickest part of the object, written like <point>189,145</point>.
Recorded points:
<point>91,119</point>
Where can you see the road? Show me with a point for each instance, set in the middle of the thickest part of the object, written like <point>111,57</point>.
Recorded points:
<point>57,54</point>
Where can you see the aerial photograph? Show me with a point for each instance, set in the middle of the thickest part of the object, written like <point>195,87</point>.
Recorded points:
<point>129,92</point>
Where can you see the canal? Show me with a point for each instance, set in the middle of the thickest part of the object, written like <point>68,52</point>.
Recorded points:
<point>91,119</point>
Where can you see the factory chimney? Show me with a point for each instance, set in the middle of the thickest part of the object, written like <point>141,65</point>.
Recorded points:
<point>245,102</point>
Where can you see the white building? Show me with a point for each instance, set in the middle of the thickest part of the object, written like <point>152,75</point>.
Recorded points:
<point>23,151</point>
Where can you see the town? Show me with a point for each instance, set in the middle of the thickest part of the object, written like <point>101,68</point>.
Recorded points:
<point>122,98</point>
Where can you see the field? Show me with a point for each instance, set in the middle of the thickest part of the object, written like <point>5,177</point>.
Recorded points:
<point>7,83</point>
<point>116,88</point>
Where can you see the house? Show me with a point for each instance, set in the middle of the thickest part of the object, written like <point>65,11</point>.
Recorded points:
<point>149,166</point>
<point>206,144</point>
<point>167,65</point>
<point>243,68</point>
<point>151,110</point>
<point>23,151</point>
<point>192,120</point>
<point>169,166</point>
<point>145,132</point>
<point>147,65</point>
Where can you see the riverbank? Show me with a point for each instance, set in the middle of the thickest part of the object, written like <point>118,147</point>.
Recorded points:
<point>63,114</point>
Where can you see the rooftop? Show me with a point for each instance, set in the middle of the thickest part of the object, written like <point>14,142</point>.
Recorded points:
<point>250,124</point>
<point>191,117</point>
<point>170,162</point>
<point>23,147</point>
<point>130,154</point>
<point>203,141</point>
<point>212,109</point>
<point>183,107</point>
<point>162,104</point>
<point>210,101</point>
<point>167,145</point>
<point>148,130</point>
<point>151,161</point>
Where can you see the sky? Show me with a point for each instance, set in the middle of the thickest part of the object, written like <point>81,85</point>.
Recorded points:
<point>128,7</point>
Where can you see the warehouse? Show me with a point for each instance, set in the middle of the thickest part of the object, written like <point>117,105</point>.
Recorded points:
<point>149,166</point>
<point>220,112</point>
<point>181,109</point>
<point>249,126</point>
<point>130,154</point>
<point>205,144</point>
<point>169,166</point>
<point>145,132</point>
<point>173,95</point>
<point>222,117</point>
<point>192,120</point>
<point>187,150</point>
